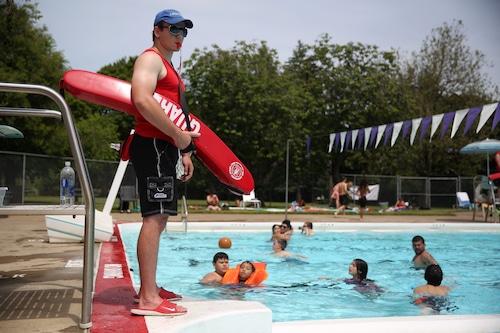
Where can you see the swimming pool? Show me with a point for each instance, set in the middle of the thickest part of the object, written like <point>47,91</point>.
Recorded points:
<point>470,262</point>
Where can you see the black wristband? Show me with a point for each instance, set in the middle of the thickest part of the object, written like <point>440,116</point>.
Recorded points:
<point>190,147</point>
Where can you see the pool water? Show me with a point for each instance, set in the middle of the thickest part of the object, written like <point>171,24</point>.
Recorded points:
<point>295,291</point>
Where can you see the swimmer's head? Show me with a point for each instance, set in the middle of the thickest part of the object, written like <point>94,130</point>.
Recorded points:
<point>433,275</point>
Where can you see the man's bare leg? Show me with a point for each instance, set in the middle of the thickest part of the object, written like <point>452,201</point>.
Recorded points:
<point>147,254</point>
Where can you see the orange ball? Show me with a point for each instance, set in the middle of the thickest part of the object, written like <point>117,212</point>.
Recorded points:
<point>225,243</point>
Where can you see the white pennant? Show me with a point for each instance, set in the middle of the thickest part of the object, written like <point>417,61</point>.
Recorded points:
<point>354,138</point>
<point>415,124</point>
<point>459,116</point>
<point>332,140</point>
<point>381,130</point>
<point>485,115</point>
<point>436,121</point>
<point>395,132</point>
<point>367,135</point>
<point>342,141</point>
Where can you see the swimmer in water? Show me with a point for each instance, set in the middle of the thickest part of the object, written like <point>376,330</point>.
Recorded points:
<point>432,294</point>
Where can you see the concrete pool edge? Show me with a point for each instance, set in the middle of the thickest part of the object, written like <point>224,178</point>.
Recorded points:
<point>438,324</point>
<point>335,226</point>
<point>428,324</point>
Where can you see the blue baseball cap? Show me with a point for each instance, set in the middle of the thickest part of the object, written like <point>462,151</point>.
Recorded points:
<point>172,16</point>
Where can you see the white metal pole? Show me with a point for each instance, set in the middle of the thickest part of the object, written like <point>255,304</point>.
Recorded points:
<point>286,181</point>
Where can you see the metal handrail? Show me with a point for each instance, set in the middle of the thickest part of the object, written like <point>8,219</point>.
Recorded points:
<point>84,177</point>
<point>184,214</point>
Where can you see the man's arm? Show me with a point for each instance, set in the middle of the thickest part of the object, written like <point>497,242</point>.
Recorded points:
<point>429,259</point>
<point>147,69</point>
<point>211,278</point>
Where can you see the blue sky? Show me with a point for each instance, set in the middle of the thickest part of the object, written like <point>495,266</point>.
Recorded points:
<point>95,33</point>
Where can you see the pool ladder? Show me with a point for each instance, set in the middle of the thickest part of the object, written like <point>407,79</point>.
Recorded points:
<point>184,213</point>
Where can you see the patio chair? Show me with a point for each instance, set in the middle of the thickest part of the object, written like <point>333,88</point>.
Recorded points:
<point>250,199</point>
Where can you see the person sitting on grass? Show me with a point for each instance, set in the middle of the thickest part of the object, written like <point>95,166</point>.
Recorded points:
<point>399,205</point>
<point>213,201</point>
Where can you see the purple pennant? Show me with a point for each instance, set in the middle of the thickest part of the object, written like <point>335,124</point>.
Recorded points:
<point>347,140</point>
<point>496,118</point>
<point>447,120</point>
<point>361,136</point>
<point>337,141</point>
<point>373,135</point>
<point>425,125</point>
<point>388,131</point>
<point>406,128</point>
<point>471,116</point>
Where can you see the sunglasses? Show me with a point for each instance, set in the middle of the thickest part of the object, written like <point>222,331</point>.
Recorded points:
<point>175,30</point>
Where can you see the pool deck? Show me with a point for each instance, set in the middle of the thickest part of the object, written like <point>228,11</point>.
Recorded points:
<point>40,282</point>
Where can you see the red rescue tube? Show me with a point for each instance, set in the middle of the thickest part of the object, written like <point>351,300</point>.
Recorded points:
<point>210,149</point>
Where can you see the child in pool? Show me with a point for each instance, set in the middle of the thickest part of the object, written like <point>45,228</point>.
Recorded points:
<point>246,269</point>
<point>246,273</point>
<point>432,296</point>
<point>359,270</point>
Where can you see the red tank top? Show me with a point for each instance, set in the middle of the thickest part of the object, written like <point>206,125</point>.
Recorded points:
<point>168,87</point>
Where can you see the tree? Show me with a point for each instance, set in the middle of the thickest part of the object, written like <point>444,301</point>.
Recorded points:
<point>27,55</point>
<point>348,86</point>
<point>446,75</point>
<point>242,96</point>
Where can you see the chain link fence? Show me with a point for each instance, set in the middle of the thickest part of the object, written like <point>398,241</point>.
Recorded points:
<point>37,176</point>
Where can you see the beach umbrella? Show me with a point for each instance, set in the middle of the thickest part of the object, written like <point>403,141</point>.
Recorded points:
<point>484,147</point>
<point>8,132</point>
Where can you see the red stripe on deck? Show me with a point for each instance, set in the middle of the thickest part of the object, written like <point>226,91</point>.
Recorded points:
<point>114,297</point>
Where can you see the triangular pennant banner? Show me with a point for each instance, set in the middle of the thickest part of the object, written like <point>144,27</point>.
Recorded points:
<point>425,125</point>
<point>496,118</point>
<point>416,124</point>
<point>471,116</point>
<point>395,132</point>
<point>367,135</point>
<point>459,116</point>
<point>342,140</point>
<point>361,135</point>
<point>380,133</point>
<point>388,131</point>
<point>348,140</point>
<point>447,120</point>
<point>406,128</point>
<point>373,135</point>
<point>485,115</point>
<point>332,140</point>
<point>436,121</point>
<point>354,137</point>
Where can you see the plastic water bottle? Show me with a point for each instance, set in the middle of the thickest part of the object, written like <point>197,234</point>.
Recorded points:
<point>67,182</point>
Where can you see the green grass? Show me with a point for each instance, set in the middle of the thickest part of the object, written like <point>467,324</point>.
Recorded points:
<point>198,206</point>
